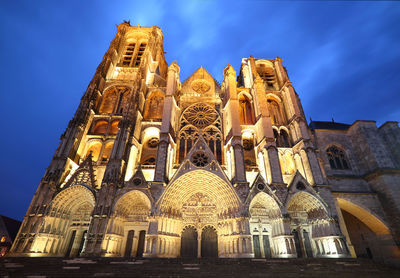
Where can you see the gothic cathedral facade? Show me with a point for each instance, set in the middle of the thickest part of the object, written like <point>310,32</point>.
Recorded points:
<point>150,166</point>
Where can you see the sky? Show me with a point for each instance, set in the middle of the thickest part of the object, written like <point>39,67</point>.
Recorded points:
<point>342,57</point>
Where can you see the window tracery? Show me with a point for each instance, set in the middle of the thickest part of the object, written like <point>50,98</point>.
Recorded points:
<point>200,159</point>
<point>94,149</point>
<point>337,158</point>
<point>100,151</point>
<point>200,119</point>
<point>275,112</point>
<point>246,111</point>
<point>154,106</point>
<point>282,138</point>
<point>115,100</point>
<point>105,127</point>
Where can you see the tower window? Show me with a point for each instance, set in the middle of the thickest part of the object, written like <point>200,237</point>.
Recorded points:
<point>337,158</point>
<point>282,139</point>
<point>267,74</point>
<point>127,57</point>
<point>245,111</point>
<point>275,112</point>
<point>132,55</point>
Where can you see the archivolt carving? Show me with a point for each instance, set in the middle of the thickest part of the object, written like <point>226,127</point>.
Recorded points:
<point>134,206</point>
<point>72,200</point>
<point>304,205</point>
<point>199,208</point>
<point>264,206</point>
<point>185,188</point>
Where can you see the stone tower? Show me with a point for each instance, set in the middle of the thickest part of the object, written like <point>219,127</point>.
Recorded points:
<point>150,166</point>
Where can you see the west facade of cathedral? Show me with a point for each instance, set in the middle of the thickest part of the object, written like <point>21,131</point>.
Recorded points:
<point>150,166</point>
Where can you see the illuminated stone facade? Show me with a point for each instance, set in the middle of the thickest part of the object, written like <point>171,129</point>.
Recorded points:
<point>153,167</point>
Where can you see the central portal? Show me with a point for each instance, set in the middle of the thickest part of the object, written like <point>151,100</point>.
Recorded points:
<point>205,206</point>
<point>189,243</point>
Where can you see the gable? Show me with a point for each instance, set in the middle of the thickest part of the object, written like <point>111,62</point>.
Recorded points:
<point>84,175</point>
<point>200,157</point>
<point>201,85</point>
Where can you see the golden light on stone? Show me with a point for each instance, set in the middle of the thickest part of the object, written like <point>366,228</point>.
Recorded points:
<point>155,167</point>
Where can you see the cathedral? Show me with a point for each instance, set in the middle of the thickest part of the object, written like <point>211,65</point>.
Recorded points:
<point>152,166</point>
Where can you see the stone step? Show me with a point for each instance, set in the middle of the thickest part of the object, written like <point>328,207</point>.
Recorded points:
<point>122,267</point>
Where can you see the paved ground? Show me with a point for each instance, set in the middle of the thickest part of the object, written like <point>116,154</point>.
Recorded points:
<point>119,267</point>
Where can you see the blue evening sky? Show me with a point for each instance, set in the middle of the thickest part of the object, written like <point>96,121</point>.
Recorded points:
<point>343,59</point>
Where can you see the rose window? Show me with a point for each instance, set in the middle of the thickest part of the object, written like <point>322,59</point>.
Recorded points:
<point>200,115</point>
<point>200,159</point>
<point>153,142</point>
<point>200,86</point>
<point>248,144</point>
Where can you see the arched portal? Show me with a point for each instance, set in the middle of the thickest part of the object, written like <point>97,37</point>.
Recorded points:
<point>314,231</point>
<point>201,198</point>
<point>209,242</point>
<point>189,242</point>
<point>66,223</point>
<point>264,224</point>
<point>369,235</point>
<point>130,222</point>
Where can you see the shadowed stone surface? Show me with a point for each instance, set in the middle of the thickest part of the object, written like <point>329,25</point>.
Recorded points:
<point>118,267</point>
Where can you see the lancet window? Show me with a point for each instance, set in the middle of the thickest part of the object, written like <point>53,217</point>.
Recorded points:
<point>100,151</point>
<point>200,119</point>
<point>275,112</point>
<point>282,138</point>
<point>246,111</point>
<point>132,55</point>
<point>337,158</point>
<point>115,100</point>
<point>104,127</point>
<point>154,106</point>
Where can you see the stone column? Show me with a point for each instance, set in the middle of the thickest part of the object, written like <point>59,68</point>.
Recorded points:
<point>199,244</point>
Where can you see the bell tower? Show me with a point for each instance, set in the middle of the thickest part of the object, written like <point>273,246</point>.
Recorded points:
<point>125,96</point>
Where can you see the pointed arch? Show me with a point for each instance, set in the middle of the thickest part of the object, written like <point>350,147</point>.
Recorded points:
<point>246,111</point>
<point>129,214</point>
<point>337,158</point>
<point>115,100</point>
<point>133,204</point>
<point>275,112</point>
<point>109,100</point>
<point>71,199</point>
<point>114,127</point>
<point>372,221</point>
<point>217,191</point>
<point>107,151</point>
<point>94,148</point>
<point>154,106</point>
<point>65,221</point>
<point>100,127</point>
<point>306,205</point>
<point>264,206</point>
